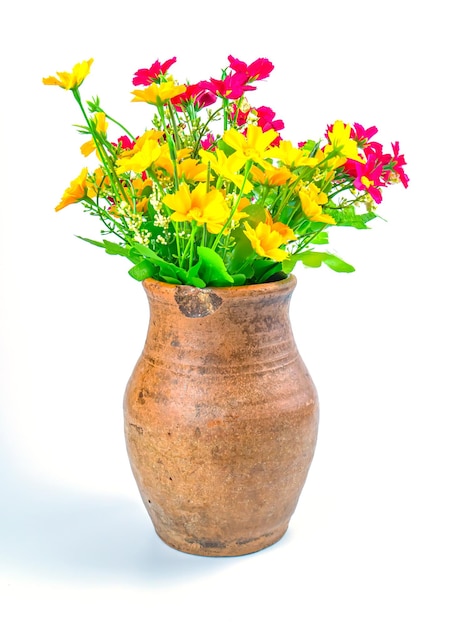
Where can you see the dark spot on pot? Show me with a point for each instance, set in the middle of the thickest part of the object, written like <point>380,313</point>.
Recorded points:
<point>139,429</point>
<point>169,434</point>
<point>170,477</point>
<point>197,432</point>
<point>194,302</point>
<point>243,542</point>
<point>149,501</point>
<point>175,343</point>
<point>208,543</point>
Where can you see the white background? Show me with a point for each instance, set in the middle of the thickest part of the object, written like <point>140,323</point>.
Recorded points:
<point>381,533</point>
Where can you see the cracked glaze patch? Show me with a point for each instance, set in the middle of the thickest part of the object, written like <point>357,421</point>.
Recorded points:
<point>196,302</point>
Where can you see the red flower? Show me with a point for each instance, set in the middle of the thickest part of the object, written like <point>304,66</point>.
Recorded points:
<point>198,93</point>
<point>232,86</point>
<point>361,135</point>
<point>368,177</point>
<point>208,143</point>
<point>395,165</point>
<point>267,121</point>
<point>125,143</point>
<point>146,77</point>
<point>259,69</point>
<point>238,116</point>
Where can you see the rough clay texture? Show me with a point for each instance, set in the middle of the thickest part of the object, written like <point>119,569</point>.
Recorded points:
<point>221,417</point>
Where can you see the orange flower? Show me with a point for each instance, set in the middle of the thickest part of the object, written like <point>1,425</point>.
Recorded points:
<point>268,237</point>
<point>76,192</point>
<point>311,199</point>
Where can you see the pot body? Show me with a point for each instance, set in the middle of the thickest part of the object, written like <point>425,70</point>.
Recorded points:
<point>221,417</point>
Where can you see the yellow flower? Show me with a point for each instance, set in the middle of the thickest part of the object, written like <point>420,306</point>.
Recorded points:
<point>290,156</point>
<point>327,163</point>
<point>272,176</point>
<point>199,205</point>
<point>311,199</point>
<point>101,126</point>
<point>70,80</point>
<point>191,170</point>
<point>98,183</point>
<point>267,238</point>
<point>76,191</point>
<point>341,142</point>
<point>140,193</point>
<point>146,151</point>
<point>158,93</point>
<point>253,146</point>
<point>227,166</point>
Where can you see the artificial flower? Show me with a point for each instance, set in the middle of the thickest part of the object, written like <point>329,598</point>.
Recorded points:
<point>253,145</point>
<point>157,93</point>
<point>199,205</point>
<point>341,143</point>
<point>268,237</point>
<point>153,73</point>
<point>76,191</point>
<point>209,193</point>
<point>70,80</point>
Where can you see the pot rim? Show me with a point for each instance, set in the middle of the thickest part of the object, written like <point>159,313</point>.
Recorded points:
<point>153,286</point>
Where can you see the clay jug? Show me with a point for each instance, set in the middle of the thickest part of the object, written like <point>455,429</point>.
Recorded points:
<point>221,417</point>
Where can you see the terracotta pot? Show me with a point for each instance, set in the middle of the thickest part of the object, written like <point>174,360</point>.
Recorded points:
<point>221,417</point>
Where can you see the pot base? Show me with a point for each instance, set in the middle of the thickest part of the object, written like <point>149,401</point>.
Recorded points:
<point>203,547</point>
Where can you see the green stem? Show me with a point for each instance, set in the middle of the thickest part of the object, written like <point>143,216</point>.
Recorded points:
<point>114,121</point>
<point>118,189</point>
<point>248,165</point>
<point>308,240</point>
<point>205,128</point>
<point>176,136</point>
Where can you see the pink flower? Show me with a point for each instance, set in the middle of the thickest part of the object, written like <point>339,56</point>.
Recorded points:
<point>231,87</point>
<point>198,94</point>
<point>266,119</point>
<point>125,143</point>
<point>238,115</point>
<point>368,177</point>
<point>259,69</point>
<point>361,135</point>
<point>208,143</point>
<point>148,76</point>
<point>395,165</point>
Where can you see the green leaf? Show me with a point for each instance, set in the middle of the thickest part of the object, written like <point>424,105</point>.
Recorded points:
<point>348,217</point>
<point>315,259</point>
<point>212,269</point>
<point>171,280</point>
<point>338,265</point>
<point>195,281</point>
<point>147,253</point>
<point>109,246</point>
<point>193,278</point>
<point>100,244</point>
<point>141,271</point>
<point>116,248</point>
<point>239,279</point>
<point>167,270</point>
<point>271,272</point>
<point>321,239</point>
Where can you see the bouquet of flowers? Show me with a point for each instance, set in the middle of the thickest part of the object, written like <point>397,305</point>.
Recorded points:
<point>211,193</point>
